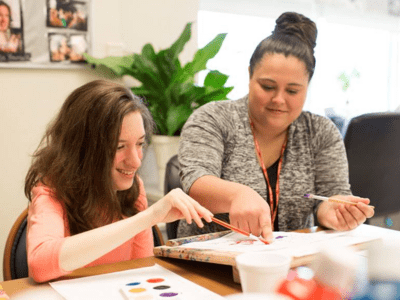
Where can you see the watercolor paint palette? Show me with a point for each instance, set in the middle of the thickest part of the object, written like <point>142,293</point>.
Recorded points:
<point>151,289</point>
<point>149,283</point>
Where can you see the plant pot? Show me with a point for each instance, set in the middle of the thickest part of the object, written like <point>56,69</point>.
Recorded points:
<point>164,148</point>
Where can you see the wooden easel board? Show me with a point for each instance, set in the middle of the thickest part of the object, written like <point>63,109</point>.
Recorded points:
<point>214,247</point>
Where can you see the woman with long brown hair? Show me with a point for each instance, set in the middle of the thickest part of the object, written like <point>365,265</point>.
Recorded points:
<point>88,205</point>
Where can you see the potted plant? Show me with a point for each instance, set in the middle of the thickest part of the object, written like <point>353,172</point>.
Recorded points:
<point>168,88</point>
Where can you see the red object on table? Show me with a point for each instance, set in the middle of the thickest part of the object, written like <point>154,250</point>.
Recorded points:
<point>304,289</point>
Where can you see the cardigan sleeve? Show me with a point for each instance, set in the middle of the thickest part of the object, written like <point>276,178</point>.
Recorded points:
<point>331,166</point>
<point>202,143</point>
<point>45,235</point>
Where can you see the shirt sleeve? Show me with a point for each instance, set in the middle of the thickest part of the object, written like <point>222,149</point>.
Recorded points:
<point>331,166</point>
<point>143,242</point>
<point>201,147</point>
<point>45,235</point>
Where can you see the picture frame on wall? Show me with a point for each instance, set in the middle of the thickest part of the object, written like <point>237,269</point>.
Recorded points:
<point>44,33</point>
<point>394,7</point>
<point>11,31</point>
<point>78,45</point>
<point>67,14</point>
<point>66,47</point>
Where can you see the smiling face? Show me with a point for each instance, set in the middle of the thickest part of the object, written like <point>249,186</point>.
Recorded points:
<point>128,157</point>
<point>277,91</point>
<point>4,18</point>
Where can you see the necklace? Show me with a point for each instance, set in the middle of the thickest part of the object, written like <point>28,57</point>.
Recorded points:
<point>273,207</point>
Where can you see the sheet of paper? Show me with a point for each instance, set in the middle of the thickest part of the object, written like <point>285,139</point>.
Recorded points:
<point>149,283</point>
<point>293,243</point>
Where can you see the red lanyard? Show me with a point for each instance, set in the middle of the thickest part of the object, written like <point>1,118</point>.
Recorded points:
<point>274,209</point>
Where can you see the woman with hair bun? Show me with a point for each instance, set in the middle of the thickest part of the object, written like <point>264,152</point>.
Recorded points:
<point>252,160</point>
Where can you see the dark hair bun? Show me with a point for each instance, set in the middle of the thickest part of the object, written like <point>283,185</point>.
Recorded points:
<point>291,23</point>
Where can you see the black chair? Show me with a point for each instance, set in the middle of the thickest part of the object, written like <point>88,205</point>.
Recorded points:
<point>157,236</point>
<point>372,144</point>
<point>15,263</point>
<point>172,181</point>
<point>339,122</point>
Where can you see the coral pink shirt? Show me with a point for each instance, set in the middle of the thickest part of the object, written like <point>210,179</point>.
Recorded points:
<point>48,229</point>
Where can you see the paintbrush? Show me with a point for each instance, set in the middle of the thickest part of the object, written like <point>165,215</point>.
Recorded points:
<point>235,229</point>
<point>311,196</point>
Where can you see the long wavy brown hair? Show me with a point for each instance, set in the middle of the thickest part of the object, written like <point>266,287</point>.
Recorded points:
<point>76,154</point>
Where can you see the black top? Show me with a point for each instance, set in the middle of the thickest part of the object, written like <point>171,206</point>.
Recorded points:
<point>273,176</point>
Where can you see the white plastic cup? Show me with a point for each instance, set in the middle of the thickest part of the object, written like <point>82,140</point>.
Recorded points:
<point>261,272</point>
<point>258,296</point>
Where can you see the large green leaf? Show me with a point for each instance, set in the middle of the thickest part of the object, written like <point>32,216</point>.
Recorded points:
<point>145,71</point>
<point>200,59</point>
<point>176,117</point>
<point>208,94</point>
<point>215,79</point>
<point>143,74</point>
<point>146,66</point>
<point>212,94</point>
<point>180,43</point>
<point>143,92</point>
<point>116,63</point>
<point>148,51</point>
<point>207,52</point>
<point>159,120</point>
<point>180,93</point>
<point>167,66</point>
<point>167,61</point>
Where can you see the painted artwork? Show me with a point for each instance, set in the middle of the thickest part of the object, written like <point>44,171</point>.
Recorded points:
<point>294,244</point>
<point>150,283</point>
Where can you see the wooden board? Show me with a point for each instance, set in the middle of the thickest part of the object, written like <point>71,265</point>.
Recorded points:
<point>174,249</point>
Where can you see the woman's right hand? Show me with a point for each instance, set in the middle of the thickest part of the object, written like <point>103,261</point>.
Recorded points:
<point>251,213</point>
<point>178,205</point>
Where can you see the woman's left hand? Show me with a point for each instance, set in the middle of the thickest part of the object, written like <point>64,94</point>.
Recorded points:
<point>342,217</point>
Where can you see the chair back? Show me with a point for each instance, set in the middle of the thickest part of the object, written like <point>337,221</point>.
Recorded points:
<point>172,181</point>
<point>157,236</point>
<point>15,264</point>
<point>372,144</point>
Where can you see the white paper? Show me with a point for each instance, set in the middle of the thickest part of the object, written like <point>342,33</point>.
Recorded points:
<point>114,286</point>
<point>292,243</point>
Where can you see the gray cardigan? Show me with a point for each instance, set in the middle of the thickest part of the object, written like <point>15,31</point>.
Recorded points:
<point>217,140</point>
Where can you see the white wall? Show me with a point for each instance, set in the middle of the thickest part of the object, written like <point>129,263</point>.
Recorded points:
<point>29,98</point>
